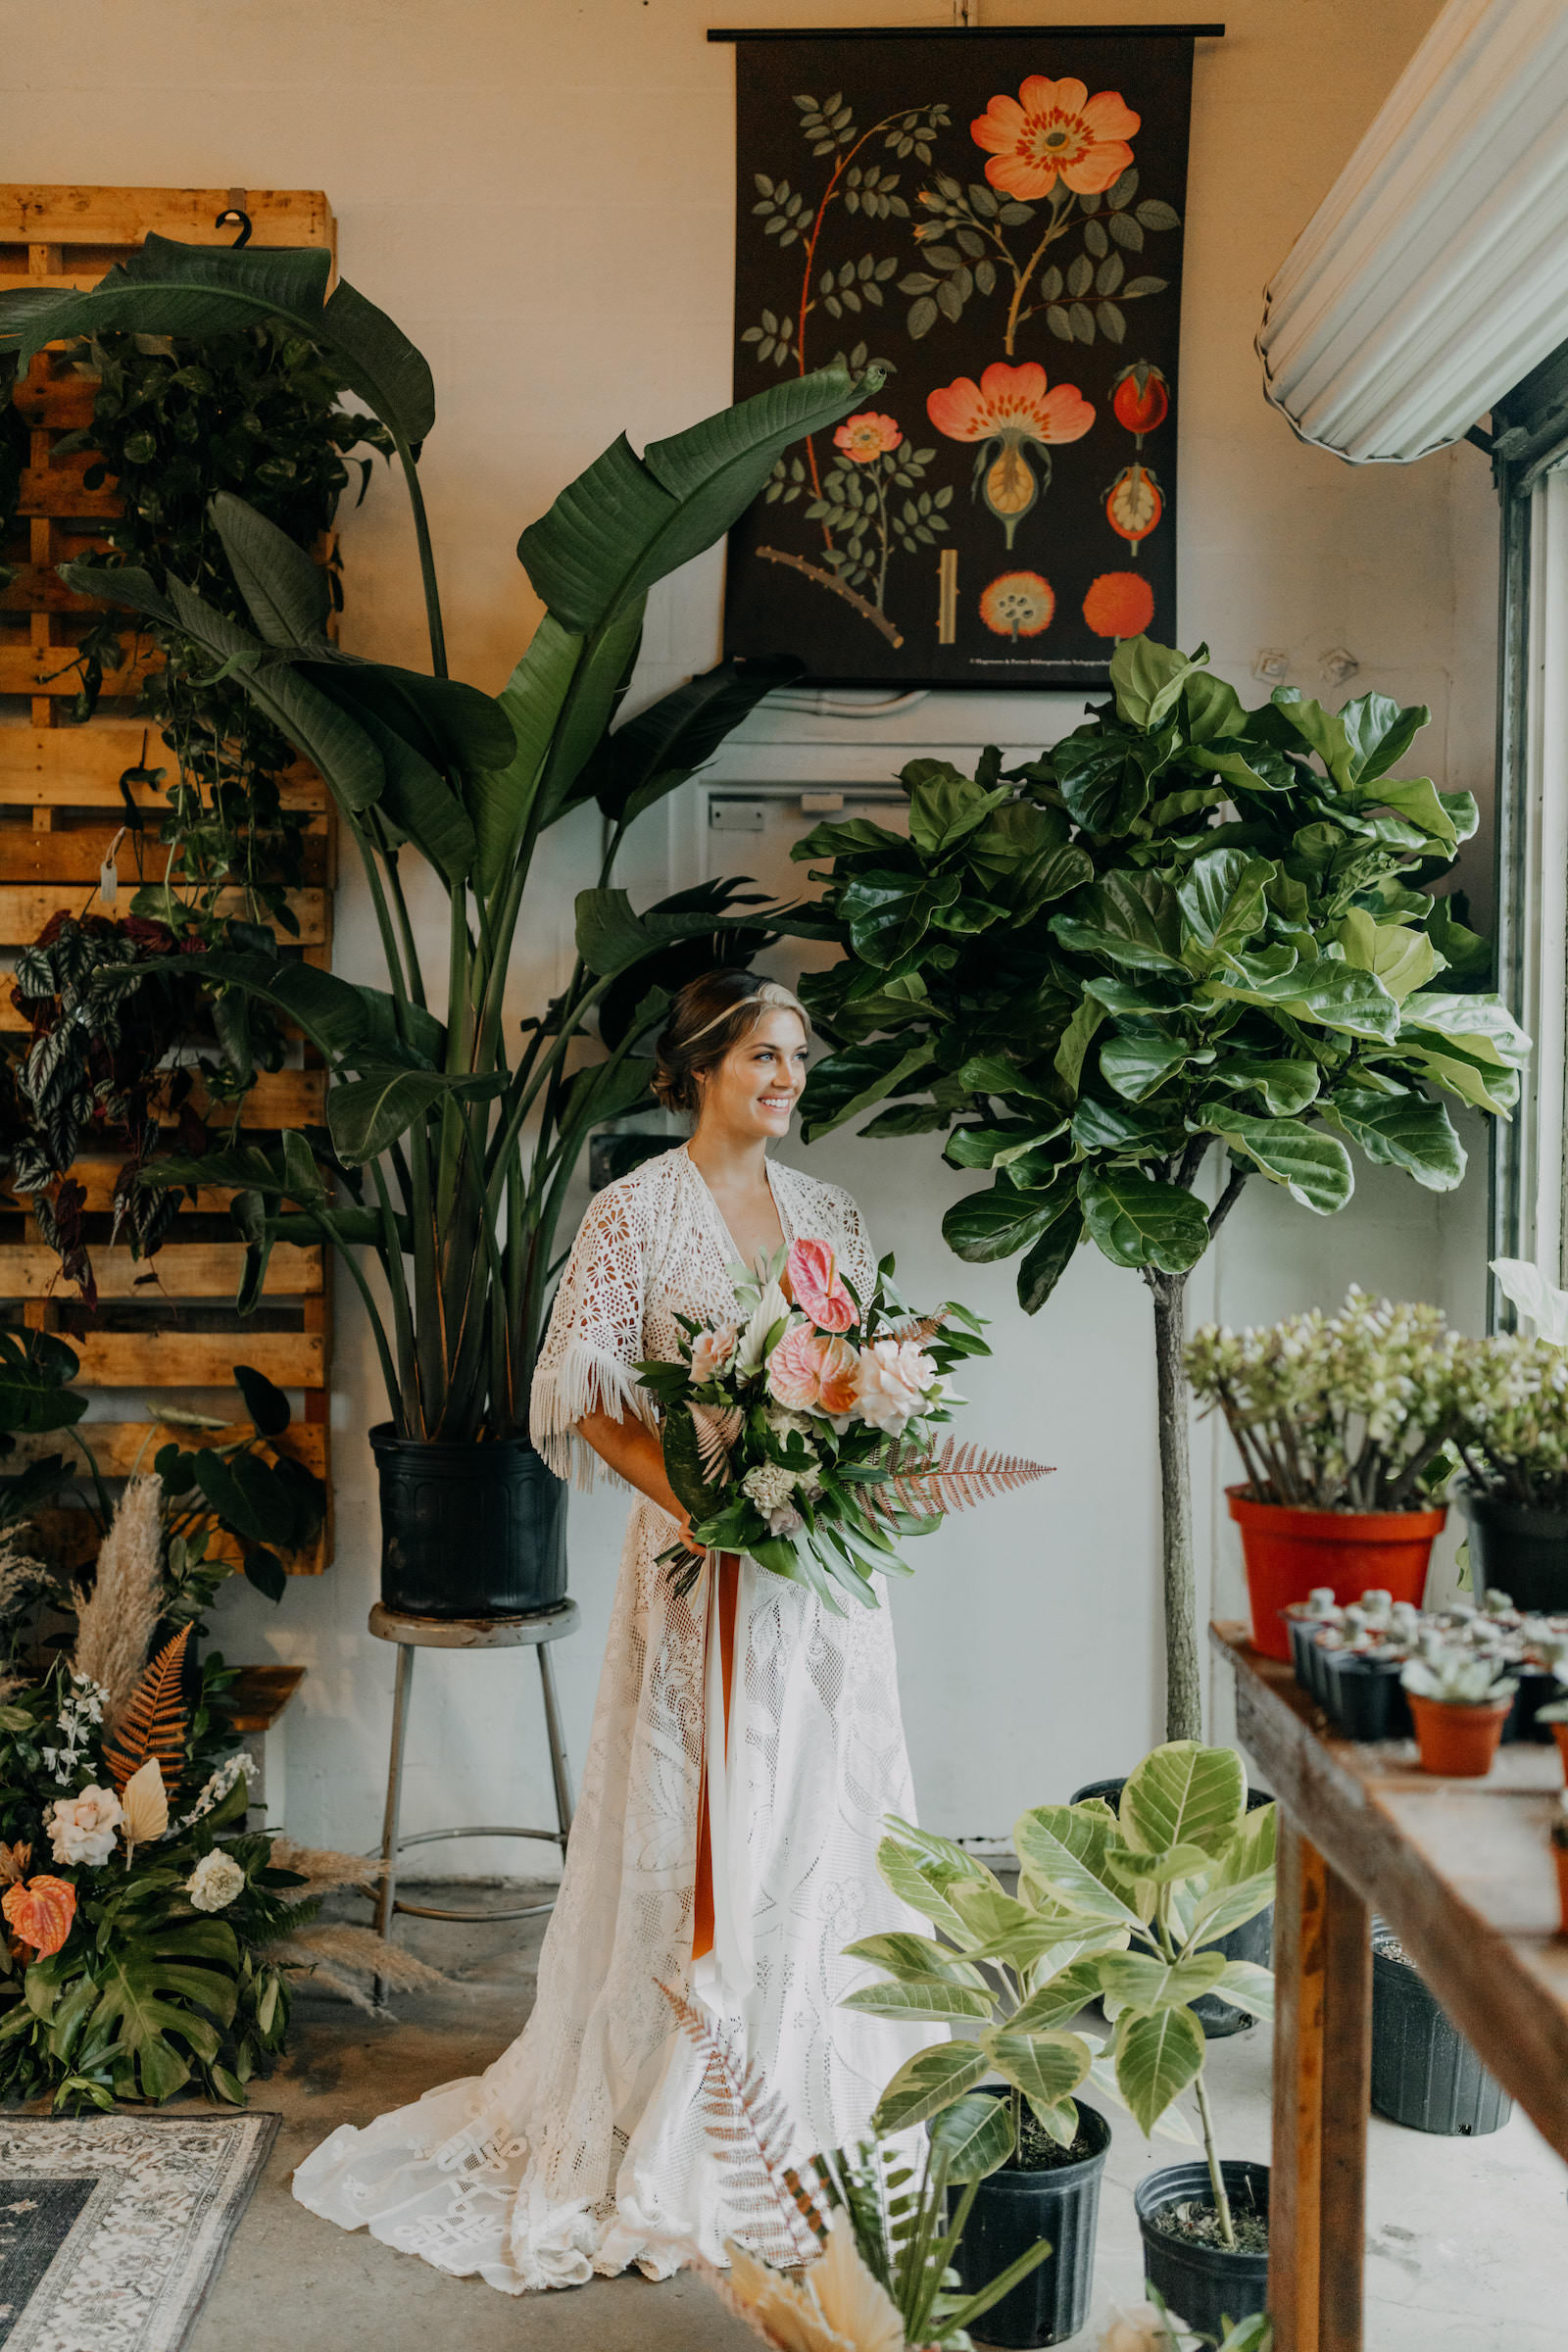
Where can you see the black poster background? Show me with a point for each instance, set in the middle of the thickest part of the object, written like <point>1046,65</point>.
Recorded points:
<point>785,168</point>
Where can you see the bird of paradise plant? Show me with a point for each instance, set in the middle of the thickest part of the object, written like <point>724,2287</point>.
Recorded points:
<point>426,1158</point>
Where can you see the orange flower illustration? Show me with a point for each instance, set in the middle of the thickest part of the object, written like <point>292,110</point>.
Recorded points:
<point>864,438</point>
<point>1119,604</point>
<point>1134,503</point>
<point>1055,130</point>
<point>1007,409</point>
<point>1017,604</point>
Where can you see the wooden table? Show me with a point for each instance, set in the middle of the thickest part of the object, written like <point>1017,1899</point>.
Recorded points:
<point>1462,1872</point>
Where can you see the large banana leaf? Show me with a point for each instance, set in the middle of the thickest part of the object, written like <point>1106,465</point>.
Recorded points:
<point>592,558</point>
<point>665,743</point>
<point>168,288</point>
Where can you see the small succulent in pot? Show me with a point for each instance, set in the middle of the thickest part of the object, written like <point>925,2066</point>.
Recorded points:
<point>1459,1700</point>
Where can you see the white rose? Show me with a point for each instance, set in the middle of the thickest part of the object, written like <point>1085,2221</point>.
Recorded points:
<point>214,1882</point>
<point>81,1828</point>
<point>1140,2330</point>
<point>891,1382</point>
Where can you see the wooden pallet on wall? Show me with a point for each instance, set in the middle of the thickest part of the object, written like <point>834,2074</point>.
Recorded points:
<point>63,800</point>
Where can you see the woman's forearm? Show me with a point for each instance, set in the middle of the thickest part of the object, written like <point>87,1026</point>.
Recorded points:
<point>630,1449</point>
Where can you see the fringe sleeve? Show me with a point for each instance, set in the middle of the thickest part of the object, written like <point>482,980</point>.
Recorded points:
<point>594,1342</point>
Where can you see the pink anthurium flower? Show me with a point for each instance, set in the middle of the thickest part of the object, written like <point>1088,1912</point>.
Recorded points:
<point>814,1286</point>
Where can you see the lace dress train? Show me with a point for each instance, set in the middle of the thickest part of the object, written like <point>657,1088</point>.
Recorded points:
<point>582,2148</point>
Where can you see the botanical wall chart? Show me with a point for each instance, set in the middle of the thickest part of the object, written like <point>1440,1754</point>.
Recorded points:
<point>997,218</point>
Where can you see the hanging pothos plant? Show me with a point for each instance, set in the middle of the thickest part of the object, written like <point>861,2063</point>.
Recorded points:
<point>255,412</point>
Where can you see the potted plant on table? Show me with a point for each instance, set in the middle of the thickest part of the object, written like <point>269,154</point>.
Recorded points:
<point>1341,1423</point>
<point>1181,1862</point>
<point>1513,1442</point>
<point>1460,1701</point>
<point>1187,930</point>
<point>448,1148</point>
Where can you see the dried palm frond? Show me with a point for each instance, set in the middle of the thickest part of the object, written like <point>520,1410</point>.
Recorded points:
<point>324,1869</point>
<point>717,1428</point>
<point>331,1950</point>
<point>954,1480</point>
<point>758,2180</point>
<point>153,1722</point>
<point>117,1620</point>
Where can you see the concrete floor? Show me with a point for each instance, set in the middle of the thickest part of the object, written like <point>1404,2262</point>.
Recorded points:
<point>1467,2239</point>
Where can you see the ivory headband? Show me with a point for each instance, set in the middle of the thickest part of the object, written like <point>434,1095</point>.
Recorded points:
<point>772,992</point>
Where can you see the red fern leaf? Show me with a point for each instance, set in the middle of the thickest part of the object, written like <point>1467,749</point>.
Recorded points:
<point>956,1479</point>
<point>154,1721</point>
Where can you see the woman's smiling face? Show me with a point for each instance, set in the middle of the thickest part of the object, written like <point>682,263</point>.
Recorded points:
<point>755,1089</point>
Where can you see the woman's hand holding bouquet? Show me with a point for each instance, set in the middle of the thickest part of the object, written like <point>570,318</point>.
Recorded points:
<point>804,1432</point>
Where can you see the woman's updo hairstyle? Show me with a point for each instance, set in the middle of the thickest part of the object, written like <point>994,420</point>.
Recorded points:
<point>709,1015</point>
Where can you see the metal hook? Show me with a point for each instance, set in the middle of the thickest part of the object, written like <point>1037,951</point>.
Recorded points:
<point>234,213</point>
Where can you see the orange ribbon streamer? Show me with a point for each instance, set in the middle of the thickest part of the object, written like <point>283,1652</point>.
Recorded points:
<point>726,1589</point>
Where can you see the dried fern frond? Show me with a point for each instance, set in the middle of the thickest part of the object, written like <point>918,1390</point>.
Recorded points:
<point>153,1722</point>
<point>954,1480</point>
<point>13,1861</point>
<point>915,1327</point>
<point>117,1620</point>
<point>717,1428</point>
<point>11,1684</point>
<point>324,1869</point>
<point>758,2181</point>
<point>329,1951</point>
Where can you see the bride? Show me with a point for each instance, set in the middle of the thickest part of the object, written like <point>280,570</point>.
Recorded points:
<point>745,1745</point>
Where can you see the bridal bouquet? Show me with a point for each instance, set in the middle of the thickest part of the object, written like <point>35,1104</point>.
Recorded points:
<point>803,1431</point>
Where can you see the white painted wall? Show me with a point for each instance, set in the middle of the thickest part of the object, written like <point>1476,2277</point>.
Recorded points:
<point>541,192</point>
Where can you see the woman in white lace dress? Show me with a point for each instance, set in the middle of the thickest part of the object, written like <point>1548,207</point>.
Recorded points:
<point>582,2148</point>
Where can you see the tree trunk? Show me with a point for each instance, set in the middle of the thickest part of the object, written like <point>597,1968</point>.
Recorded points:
<point>1184,1700</point>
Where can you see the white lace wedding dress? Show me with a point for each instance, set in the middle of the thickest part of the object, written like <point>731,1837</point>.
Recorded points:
<point>582,2147</point>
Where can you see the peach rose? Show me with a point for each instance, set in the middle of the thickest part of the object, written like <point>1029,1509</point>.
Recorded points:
<point>815,1287</point>
<point>712,1351</point>
<point>891,1383</point>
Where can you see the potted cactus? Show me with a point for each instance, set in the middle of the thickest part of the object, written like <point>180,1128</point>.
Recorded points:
<point>1459,1702</point>
<point>1181,1862</point>
<point>1341,1424</point>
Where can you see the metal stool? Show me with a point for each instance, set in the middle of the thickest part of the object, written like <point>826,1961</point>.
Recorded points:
<point>537,1630</point>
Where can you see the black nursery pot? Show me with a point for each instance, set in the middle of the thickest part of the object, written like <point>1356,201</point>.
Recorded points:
<point>1254,1939</point>
<point>1424,2073</point>
<point>1203,2286</point>
<point>1364,1696</point>
<point>1518,1549</point>
<point>1013,2211</point>
<point>469,1531</point>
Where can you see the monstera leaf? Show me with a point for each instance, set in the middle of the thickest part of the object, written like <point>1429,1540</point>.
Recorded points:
<point>169,1986</point>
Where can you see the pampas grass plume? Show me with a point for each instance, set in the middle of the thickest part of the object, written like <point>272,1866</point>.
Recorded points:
<point>117,1620</point>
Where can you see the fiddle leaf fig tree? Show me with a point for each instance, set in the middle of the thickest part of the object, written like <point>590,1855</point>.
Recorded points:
<point>448,1150</point>
<point>1188,937</point>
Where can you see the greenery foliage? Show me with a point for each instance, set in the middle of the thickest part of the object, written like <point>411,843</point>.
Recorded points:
<point>427,1117</point>
<point>1188,928</point>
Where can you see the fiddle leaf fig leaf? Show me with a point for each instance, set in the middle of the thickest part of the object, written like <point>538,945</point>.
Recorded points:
<point>1141,1221</point>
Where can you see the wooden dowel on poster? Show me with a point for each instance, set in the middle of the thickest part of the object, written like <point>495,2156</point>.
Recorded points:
<point>964,33</point>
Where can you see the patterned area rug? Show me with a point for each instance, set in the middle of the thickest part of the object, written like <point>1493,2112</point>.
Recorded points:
<point>113,2227</point>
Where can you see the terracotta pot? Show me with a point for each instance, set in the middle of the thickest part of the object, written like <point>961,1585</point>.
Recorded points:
<point>1457,1741</point>
<point>1289,1551</point>
<point>1559,1855</point>
<point>1559,1731</point>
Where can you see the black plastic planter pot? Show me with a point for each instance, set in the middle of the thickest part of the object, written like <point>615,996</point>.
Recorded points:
<point>469,1531</point>
<point>1424,2074</point>
<point>1254,1939</point>
<point>1364,1699</point>
<point>1012,2211</point>
<point>1206,2286</point>
<point>1518,1549</point>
